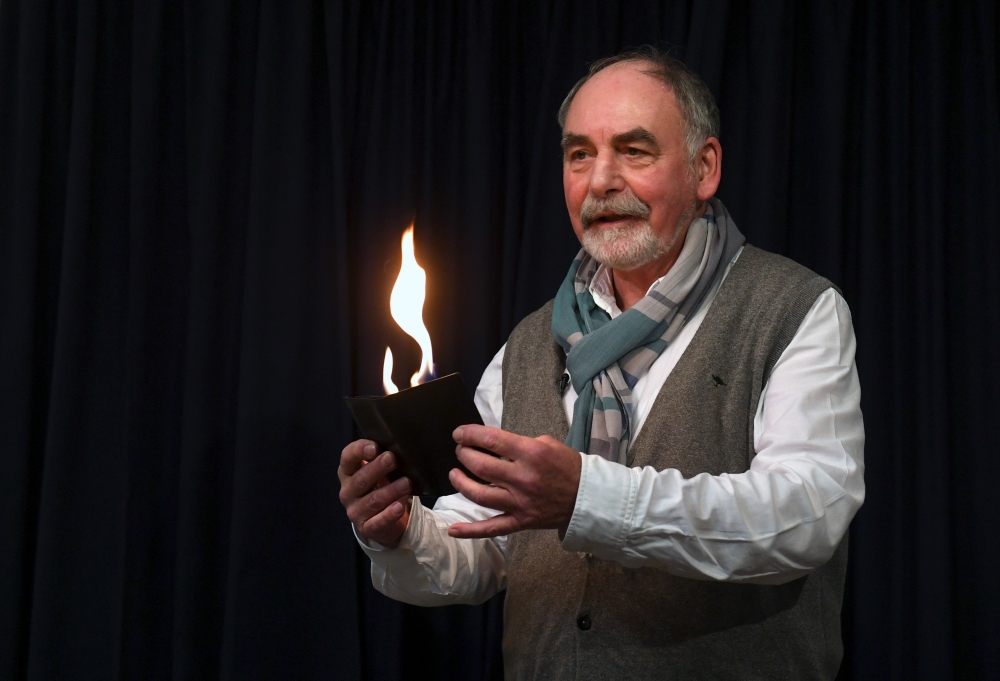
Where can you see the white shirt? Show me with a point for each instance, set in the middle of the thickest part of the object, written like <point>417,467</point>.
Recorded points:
<point>772,524</point>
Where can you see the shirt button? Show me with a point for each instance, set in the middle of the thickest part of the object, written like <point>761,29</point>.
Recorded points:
<point>583,621</point>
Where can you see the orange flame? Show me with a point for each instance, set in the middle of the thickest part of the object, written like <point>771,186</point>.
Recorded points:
<point>407,307</point>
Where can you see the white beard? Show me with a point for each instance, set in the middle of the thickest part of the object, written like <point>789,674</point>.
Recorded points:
<point>626,248</point>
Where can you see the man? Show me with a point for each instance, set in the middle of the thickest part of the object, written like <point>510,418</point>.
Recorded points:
<point>681,436</point>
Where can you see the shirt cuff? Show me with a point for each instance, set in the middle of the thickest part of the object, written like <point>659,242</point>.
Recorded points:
<point>605,506</point>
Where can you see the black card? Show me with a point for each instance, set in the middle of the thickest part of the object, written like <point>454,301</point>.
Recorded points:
<point>416,425</point>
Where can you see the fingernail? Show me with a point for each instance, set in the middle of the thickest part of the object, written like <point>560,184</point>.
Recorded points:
<point>458,434</point>
<point>397,508</point>
<point>369,449</point>
<point>406,484</point>
<point>388,460</point>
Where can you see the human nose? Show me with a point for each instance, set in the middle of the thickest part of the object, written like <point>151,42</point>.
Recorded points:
<point>606,176</point>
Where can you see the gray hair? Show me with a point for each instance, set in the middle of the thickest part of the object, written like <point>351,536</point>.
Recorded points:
<point>698,108</point>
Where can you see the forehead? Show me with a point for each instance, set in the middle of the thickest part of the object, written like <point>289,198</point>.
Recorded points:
<point>620,98</point>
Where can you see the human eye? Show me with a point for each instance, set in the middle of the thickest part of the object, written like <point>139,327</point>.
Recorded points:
<point>577,155</point>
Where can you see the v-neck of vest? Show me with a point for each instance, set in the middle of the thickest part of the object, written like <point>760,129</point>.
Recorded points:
<point>707,324</point>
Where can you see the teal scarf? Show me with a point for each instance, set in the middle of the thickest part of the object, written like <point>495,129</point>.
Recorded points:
<point>606,357</point>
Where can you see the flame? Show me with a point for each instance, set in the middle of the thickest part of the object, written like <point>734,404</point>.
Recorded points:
<point>407,307</point>
<point>387,383</point>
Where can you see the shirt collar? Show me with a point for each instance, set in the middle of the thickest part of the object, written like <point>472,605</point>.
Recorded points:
<point>602,288</point>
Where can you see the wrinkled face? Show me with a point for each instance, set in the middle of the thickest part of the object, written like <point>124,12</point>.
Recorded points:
<point>630,190</point>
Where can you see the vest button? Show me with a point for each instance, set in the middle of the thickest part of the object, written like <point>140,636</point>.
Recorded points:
<point>583,621</point>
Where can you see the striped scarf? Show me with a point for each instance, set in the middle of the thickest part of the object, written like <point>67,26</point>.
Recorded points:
<point>606,357</point>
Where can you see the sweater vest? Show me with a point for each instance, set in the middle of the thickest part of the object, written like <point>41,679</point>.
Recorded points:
<point>574,616</point>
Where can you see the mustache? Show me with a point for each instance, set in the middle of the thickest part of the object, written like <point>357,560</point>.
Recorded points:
<point>624,204</point>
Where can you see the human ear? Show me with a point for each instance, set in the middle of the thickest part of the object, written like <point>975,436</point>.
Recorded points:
<point>708,168</point>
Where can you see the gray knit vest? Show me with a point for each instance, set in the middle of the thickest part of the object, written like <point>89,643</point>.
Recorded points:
<point>573,616</point>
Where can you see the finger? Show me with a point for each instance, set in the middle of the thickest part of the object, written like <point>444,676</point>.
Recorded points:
<point>381,524</point>
<point>377,501</point>
<point>492,527</point>
<point>486,466</point>
<point>493,439</point>
<point>484,495</point>
<point>353,456</point>
<point>364,481</point>
<point>371,478</point>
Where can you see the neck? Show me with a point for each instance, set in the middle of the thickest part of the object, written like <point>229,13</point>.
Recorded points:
<point>631,285</point>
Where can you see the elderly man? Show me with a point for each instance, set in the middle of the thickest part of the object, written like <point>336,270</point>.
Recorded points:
<point>681,435</point>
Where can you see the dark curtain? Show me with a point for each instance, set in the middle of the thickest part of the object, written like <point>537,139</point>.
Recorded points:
<point>200,212</point>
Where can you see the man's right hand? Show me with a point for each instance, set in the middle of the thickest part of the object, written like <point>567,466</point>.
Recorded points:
<point>378,507</point>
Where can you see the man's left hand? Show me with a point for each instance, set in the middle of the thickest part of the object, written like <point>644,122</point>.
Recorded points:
<point>535,486</point>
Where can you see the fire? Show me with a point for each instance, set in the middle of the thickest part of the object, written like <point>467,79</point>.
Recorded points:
<point>387,383</point>
<point>407,307</point>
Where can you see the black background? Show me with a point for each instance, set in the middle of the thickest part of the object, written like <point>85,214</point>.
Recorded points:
<point>200,210</point>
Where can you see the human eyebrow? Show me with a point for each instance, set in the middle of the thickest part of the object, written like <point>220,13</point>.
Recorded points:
<point>573,140</point>
<point>636,135</point>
